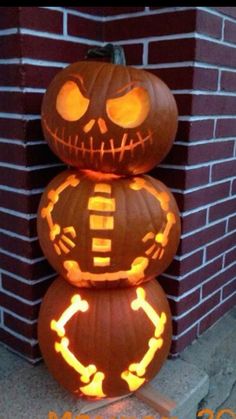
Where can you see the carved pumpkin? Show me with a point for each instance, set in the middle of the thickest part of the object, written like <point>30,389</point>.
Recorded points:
<point>102,230</point>
<point>109,118</point>
<point>101,343</point>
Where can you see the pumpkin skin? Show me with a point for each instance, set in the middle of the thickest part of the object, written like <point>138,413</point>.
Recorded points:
<point>109,118</point>
<point>109,334</point>
<point>104,231</point>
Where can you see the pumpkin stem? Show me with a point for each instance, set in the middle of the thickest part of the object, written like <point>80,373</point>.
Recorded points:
<point>115,52</point>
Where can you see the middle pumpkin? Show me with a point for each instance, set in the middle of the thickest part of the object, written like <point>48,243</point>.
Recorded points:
<point>104,230</point>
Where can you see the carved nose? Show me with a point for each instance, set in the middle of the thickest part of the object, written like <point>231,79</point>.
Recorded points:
<point>102,125</point>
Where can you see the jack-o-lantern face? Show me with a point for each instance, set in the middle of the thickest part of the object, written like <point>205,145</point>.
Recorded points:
<point>104,343</point>
<point>109,118</point>
<point>101,230</point>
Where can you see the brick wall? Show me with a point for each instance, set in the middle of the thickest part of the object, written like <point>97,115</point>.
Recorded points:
<point>193,50</point>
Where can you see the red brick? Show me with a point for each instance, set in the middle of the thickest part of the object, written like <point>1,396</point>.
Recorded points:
<point>33,130</point>
<point>184,103</point>
<point>169,285</point>
<point>185,304</point>
<point>209,24</point>
<point>229,11</point>
<point>184,322</point>
<point>133,54</point>
<point>230,256</point>
<point>29,271</point>
<point>183,341</point>
<point>195,130</point>
<point>39,77</point>
<point>30,351</point>
<point>20,202</point>
<point>222,210</point>
<point>11,75</point>
<point>12,128</point>
<point>225,127</point>
<point>202,237</point>
<point>193,221</point>
<point>41,19</point>
<point>199,153</point>
<point>205,79</point>
<point>175,78</point>
<point>221,245</point>
<point>179,268</point>
<point>199,276</point>
<point>85,28</point>
<point>213,53</point>
<point>170,177</point>
<point>107,11</point>
<point>10,46</point>
<point>28,291</point>
<point>27,156</point>
<point>52,49</point>
<point>22,226</point>
<point>228,81</point>
<point>28,179</point>
<point>116,10</point>
<point>230,288</point>
<point>9,17</point>
<point>180,178</point>
<point>219,281</point>
<point>11,102</point>
<point>28,311</point>
<point>212,317</point>
<point>223,170</point>
<point>232,223</point>
<point>150,25</point>
<point>20,246</point>
<point>234,187</point>
<point>171,51</point>
<point>206,196</point>
<point>213,104</point>
<point>28,330</point>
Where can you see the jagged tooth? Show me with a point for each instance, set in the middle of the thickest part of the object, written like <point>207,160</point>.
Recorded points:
<point>123,143</point>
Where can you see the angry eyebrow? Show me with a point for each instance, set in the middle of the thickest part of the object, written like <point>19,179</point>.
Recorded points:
<point>126,86</point>
<point>78,77</point>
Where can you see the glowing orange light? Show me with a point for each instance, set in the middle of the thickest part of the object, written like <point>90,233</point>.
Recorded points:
<point>101,222</point>
<point>154,342</point>
<point>99,203</point>
<point>132,380</point>
<point>103,187</point>
<point>129,110</point>
<point>134,274</point>
<point>101,261</point>
<point>89,126</point>
<point>101,245</point>
<point>94,386</point>
<point>70,103</point>
<point>102,125</point>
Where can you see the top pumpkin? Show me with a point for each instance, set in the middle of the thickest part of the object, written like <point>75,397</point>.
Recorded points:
<point>109,118</point>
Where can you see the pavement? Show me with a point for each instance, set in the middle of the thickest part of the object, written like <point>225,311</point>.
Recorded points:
<point>203,377</point>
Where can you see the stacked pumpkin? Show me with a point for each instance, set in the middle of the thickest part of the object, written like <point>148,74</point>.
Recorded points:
<point>105,324</point>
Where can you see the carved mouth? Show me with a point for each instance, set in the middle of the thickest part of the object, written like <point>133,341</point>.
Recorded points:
<point>127,144</point>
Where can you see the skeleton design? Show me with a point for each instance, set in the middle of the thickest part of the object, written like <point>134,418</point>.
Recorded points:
<point>135,374</point>
<point>63,238</point>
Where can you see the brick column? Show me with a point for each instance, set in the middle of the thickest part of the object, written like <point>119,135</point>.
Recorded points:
<point>36,44</point>
<point>193,51</point>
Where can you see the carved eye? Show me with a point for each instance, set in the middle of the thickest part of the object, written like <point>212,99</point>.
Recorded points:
<point>130,110</point>
<point>71,104</point>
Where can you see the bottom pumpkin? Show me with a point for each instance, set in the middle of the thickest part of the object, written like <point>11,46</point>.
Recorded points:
<point>104,343</point>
